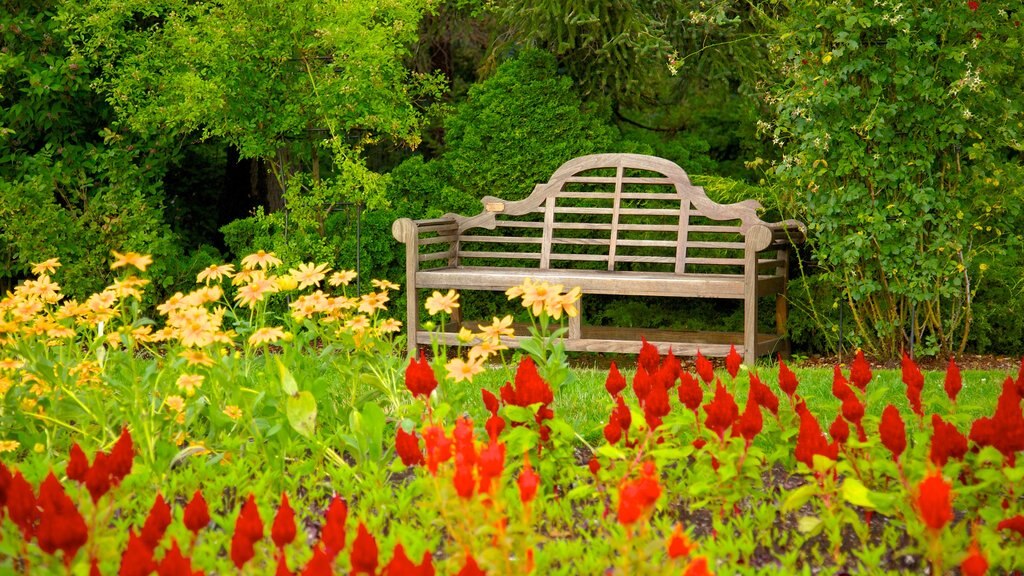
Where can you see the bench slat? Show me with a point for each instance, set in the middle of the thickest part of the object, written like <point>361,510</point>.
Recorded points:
<point>435,256</point>
<point>716,261</point>
<point>716,229</point>
<point>437,240</point>
<point>502,239</point>
<point>505,255</point>
<point>721,245</point>
<point>624,195</point>
<point>616,179</point>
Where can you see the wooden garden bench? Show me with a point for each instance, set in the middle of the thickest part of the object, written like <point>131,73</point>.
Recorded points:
<point>616,224</point>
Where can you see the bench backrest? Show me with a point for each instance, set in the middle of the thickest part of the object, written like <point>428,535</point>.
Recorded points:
<point>609,211</point>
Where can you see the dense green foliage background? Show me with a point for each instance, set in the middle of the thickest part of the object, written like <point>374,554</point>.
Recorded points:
<point>201,131</point>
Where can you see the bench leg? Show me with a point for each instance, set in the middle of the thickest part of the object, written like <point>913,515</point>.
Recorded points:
<point>576,323</point>
<point>750,327</point>
<point>412,319</point>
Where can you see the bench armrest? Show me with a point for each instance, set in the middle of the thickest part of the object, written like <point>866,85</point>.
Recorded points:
<point>777,234</point>
<point>408,231</point>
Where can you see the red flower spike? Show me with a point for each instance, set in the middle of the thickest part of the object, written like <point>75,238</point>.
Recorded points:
<point>282,565</point>
<point>321,564</point>
<point>594,465</point>
<point>750,422</point>
<point>94,567</point>
<point>690,393</point>
<point>678,544</point>
<point>839,430</point>
<point>638,496</point>
<point>698,567</point>
<point>5,483</point>
<point>249,524</point>
<point>463,479</point>
<point>853,409</point>
<point>670,369</point>
<point>860,371</point>
<point>438,447</point>
<point>1005,429</point>
<point>197,514</point>
<point>21,505</point>
<point>491,464</point>
<point>174,563</point>
<point>612,430</point>
<point>242,549</point>
<point>156,523</point>
<point>934,501</point>
<point>973,5</point>
<point>61,526</point>
<point>1020,379</point>
<point>953,382</point>
<point>494,425</point>
<point>787,379</point>
<point>893,431</point>
<point>465,446</point>
<point>407,446</point>
<point>490,400</point>
<point>947,442</point>
<point>530,388</point>
<point>648,359</point>
<point>763,395</point>
<point>914,380</point>
<point>419,377</point>
<point>400,564</point>
<point>975,563</point>
<point>528,482</point>
<point>622,413</point>
<point>722,411</point>
<point>97,479</point>
<point>364,552</point>
<point>840,387</point>
<point>78,464</point>
<point>137,559</point>
<point>811,440</point>
<point>121,457</point>
<point>704,369</point>
<point>471,568</point>
<point>615,382</point>
<point>333,532</point>
<point>1015,524</point>
<point>656,405</point>
<point>282,531</point>
<point>733,361</point>
<point>642,383</point>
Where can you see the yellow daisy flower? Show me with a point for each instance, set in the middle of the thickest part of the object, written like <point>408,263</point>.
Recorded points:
<point>342,278</point>
<point>233,412</point>
<point>214,272</point>
<point>442,302</point>
<point>309,274</point>
<point>459,370</point>
<point>261,259</point>
<point>46,266</point>
<point>134,259</point>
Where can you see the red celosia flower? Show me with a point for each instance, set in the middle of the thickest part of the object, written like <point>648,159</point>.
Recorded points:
<point>648,359</point>
<point>121,457</point>
<point>197,514</point>
<point>529,387</point>
<point>615,382</point>
<point>282,566</point>
<point>612,430</point>
<point>419,377</point>
<point>528,481</point>
<point>174,563</point>
<point>5,484</point>
<point>1005,429</point>
<point>408,447</point>
<point>282,531</point>
<point>333,532</point>
<point>465,445</point>
<point>840,387</point>
<point>471,568</point>
<point>722,411</point>
<point>750,422</point>
<point>97,479</point>
<point>494,425</point>
<point>642,382</point>
<point>934,501</point>
<point>973,5</point>
<point>704,368</point>
<point>678,544</point>
<point>839,430</point>
<point>491,464</point>
<point>364,552</point>
<point>733,361</point>
<point>21,505</point>
<point>638,496</point>
<point>595,465</point>
<point>670,370</point>
<point>914,380</point>
<point>787,379</point>
<point>811,440</point>
<point>953,382</point>
<point>975,563</point>
<point>490,400</point>
<point>860,371</point>
<point>656,405</point>
<point>78,464</point>
<point>401,565</point>
<point>763,395</point>
<point>1015,524</point>
<point>61,526</point>
<point>321,564</point>
<point>947,442</point>
<point>690,392</point>
<point>137,559</point>
<point>622,414</point>
<point>242,549</point>
<point>249,524</point>
<point>892,431</point>
<point>156,523</point>
<point>438,447</point>
<point>94,567</point>
<point>698,567</point>
<point>463,479</point>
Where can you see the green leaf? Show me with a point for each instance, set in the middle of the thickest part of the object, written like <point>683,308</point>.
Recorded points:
<point>799,497</point>
<point>609,451</point>
<point>581,492</point>
<point>520,414</point>
<point>373,428</point>
<point>808,524</point>
<point>857,493</point>
<point>288,383</point>
<point>301,412</point>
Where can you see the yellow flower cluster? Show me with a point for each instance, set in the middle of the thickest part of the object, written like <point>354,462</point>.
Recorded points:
<point>541,297</point>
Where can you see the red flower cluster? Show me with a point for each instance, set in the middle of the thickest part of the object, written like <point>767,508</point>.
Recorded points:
<point>107,469</point>
<point>947,442</point>
<point>811,440</point>
<point>722,411</point>
<point>528,389</point>
<point>860,371</point>
<point>61,526</point>
<point>638,496</point>
<point>495,424</point>
<point>893,432</point>
<point>934,501</point>
<point>1005,429</point>
<point>704,368</point>
<point>407,446</point>
<point>953,382</point>
<point>914,380</point>
<point>248,531</point>
<point>733,361</point>
<point>787,380</point>
<point>419,377</point>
